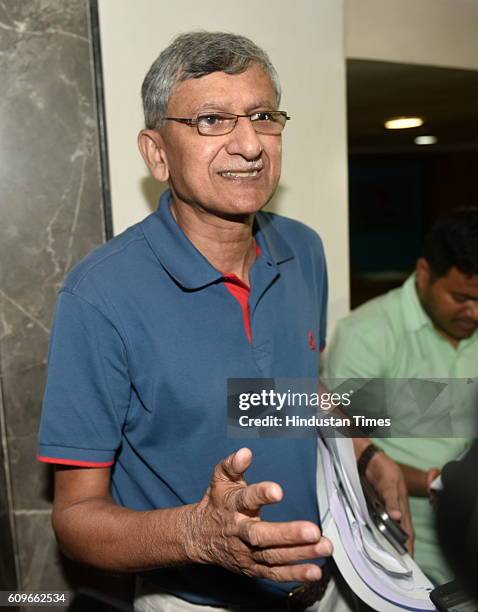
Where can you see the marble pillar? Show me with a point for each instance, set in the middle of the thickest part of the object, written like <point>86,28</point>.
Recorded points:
<point>8,573</point>
<point>52,212</point>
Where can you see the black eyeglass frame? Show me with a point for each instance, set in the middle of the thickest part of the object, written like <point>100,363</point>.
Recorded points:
<point>194,121</point>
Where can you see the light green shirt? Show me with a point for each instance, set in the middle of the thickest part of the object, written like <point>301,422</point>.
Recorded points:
<point>392,337</point>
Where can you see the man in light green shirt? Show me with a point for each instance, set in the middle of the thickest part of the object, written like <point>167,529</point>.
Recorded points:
<point>425,329</point>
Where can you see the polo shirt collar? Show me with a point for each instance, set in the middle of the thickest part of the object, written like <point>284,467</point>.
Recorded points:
<point>181,258</point>
<point>270,241</point>
<point>175,251</point>
<point>414,316</point>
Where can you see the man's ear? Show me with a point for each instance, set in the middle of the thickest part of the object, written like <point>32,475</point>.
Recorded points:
<point>151,146</point>
<point>422,273</point>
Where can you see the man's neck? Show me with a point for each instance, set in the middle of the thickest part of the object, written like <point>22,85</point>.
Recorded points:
<point>441,332</point>
<point>453,341</point>
<point>227,244</point>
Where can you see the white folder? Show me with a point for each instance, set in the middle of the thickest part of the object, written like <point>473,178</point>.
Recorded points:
<point>384,579</point>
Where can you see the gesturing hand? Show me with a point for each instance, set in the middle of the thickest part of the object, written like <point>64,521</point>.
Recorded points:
<point>227,529</point>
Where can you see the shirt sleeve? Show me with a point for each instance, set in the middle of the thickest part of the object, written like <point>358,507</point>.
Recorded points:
<point>88,387</point>
<point>323,312</point>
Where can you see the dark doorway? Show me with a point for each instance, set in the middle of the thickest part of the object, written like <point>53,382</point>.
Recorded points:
<point>398,188</point>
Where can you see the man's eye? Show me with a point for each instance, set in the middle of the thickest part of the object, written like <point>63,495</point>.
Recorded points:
<point>210,120</point>
<point>263,116</point>
<point>460,298</point>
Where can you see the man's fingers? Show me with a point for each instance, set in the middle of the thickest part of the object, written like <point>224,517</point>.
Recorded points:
<point>406,525</point>
<point>396,504</point>
<point>232,468</point>
<point>391,500</point>
<point>431,475</point>
<point>262,534</point>
<point>290,554</point>
<point>252,498</point>
<point>406,520</point>
<point>302,572</point>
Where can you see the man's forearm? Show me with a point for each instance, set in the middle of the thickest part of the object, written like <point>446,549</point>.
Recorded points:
<point>418,481</point>
<point>360,444</point>
<point>99,532</point>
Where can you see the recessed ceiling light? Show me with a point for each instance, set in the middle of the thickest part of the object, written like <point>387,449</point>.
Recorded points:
<point>403,123</point>
<point>425,140</point>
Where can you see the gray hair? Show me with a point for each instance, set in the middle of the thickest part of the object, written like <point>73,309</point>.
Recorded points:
<point>193,55</point>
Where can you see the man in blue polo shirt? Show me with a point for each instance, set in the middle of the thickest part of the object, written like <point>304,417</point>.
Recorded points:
<point>149,327</point>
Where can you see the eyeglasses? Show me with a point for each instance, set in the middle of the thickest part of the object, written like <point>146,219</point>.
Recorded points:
<point>218,124</point>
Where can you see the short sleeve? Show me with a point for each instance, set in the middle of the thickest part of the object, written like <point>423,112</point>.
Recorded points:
<point>88,387</point>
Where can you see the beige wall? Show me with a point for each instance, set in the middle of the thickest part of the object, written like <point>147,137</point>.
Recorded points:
<point>306,47</point>
<point>434,32</point>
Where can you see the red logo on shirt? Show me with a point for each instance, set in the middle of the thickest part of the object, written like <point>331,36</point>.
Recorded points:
<point>311,339</point>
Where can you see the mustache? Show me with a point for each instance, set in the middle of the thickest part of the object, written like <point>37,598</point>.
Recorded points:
<point>470,322</point>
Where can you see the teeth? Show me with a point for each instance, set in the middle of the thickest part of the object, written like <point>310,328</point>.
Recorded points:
<point>239,174</point>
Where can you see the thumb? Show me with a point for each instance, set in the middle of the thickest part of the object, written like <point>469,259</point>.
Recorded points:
<point>232,468</point>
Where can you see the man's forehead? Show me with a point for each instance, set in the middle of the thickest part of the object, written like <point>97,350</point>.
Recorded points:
<point>218,90</point>
<point>457,280</point>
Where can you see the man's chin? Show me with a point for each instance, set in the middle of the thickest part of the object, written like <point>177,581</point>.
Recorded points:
<point>464,331</point>
<point>226,205</point>
<point>244,206</point>
<point>246,198</point>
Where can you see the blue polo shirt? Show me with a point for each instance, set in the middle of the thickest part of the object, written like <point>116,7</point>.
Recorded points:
<point>145,336</point>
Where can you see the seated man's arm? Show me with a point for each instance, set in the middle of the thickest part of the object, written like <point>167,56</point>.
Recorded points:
<point>224,528</point>
<point>418,481</point>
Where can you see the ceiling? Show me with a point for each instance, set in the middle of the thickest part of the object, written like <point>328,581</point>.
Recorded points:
<point>447,100</point>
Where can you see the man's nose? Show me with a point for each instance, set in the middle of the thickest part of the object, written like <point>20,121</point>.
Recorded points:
<point>472,309</point>
<point>244,140</point>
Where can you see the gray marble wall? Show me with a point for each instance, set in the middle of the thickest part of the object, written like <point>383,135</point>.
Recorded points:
<point>51,215</point>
